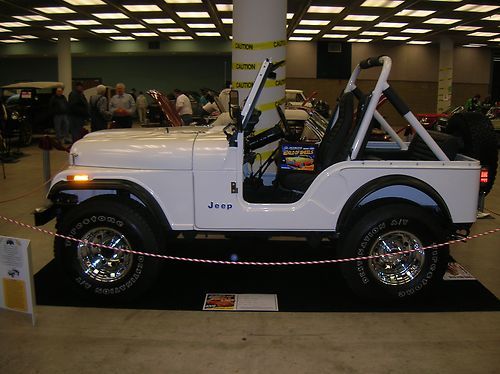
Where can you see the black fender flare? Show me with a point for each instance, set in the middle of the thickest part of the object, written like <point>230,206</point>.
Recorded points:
<point>123,186</point>
<point>386,181</point>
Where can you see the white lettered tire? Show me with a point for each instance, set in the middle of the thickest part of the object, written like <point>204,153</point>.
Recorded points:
<point>108,273</point>
<point>389,229</point>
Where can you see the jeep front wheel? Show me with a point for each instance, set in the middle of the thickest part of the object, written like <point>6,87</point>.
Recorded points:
<point>107,272</point>
<point>387,231</point>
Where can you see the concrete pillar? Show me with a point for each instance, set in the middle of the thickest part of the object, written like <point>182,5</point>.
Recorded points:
<point>259,32</point>
<point>64,73</point>
<point>445,76</point>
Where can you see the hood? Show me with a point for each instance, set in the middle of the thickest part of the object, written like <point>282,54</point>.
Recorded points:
<point>136,149</point>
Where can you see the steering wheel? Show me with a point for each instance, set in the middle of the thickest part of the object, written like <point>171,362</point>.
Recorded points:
<point>283,119</point>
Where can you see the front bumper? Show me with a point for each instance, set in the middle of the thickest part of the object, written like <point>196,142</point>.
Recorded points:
<point>45,214</point>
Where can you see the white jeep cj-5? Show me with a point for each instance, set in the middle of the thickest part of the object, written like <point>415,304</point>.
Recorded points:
<point>136,188</point>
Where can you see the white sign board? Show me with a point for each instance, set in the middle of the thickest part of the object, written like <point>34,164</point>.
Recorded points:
<point>16,277</point>
<point>241,302</point>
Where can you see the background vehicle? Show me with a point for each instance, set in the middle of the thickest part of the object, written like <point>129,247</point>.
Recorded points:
<point>27,105</point>
<point>297,99</point>
<point>137,189</point>
<point>438,121</point>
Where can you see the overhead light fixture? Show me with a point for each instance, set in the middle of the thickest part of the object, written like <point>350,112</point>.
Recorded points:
<point>325,9</point>
<point>313,22</point>
<point>70,39</point>
<point>394,25</point>
<point>84,22</point>
<point>477,8</point>
<point>473,45</point>
<point>335,36</point>
<point>396,38</point>
<point>144,34</point>
<point>416,31</point>
<point>25,36</point>
<point>415,13</point>
<point>13,24</point>
<point>4,30</point>
<point>181,37</point>
<point>356,40</point>
<point>495,17</point>
<point>306,31</point>
<point>300,38</point>
<point>193,14</point>
<point>31,18</point>
<point>85,2</point>
<point>442,21</point>
<point>496,40</point>
<point>158,21</point>
<point>208,33</point>
<point>171,30</point>
<point>360,17</point>
<point>224,7</point>
<point>289,15</point>
<point>122,37</point>
<point>130,26</point>
<point>61,27</point>
<point>374,33</point>
<point>11,41</point>
<point>419,42</point>
<point>227,21</point>
<point>345,28</point>
<point>143,8</point>
<point>382,3</point>
<point>201,25</point>
<point>484,34</point>
<point>465,28</point>
<point>105,31</point>
<point>110,15</point>
<point>55,10</point>
<point>183,1</point>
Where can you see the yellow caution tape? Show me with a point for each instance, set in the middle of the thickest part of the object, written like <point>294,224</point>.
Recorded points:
<point>247,65</point>
<point>259,46</point>
<point>270,106</point>
<point>268,84</point>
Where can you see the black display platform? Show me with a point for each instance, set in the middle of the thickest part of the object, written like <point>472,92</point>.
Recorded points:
<point>311,288</point>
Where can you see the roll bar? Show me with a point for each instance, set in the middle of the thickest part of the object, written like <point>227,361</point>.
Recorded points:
<point>382,87</point>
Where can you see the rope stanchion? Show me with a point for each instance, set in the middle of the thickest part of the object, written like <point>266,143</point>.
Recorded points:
<point>246,263</point>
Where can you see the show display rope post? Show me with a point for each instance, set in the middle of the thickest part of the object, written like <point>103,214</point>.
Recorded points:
<point>46,144</point>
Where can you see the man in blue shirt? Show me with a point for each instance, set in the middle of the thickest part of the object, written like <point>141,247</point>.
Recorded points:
<point>122,107</point>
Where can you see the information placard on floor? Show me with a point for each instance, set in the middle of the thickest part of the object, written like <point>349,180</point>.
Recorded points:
<point>241,302</point>
<point>16,286</point>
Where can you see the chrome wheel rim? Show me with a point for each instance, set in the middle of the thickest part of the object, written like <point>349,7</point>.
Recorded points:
<point>103,264</point>
<point>396,269</point>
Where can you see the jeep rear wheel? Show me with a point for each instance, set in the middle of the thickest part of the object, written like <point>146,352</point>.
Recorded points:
<point>387,231</point>
<point>107,272</point>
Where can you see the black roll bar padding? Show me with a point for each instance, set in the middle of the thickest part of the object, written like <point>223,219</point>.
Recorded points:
<point>396,101</point>
<point>358,93</point>
<point>371,62</point>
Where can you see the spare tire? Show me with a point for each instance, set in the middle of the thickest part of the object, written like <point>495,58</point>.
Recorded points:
<point>478,135</point>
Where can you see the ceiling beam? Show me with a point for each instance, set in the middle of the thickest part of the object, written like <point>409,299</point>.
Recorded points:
<point>214,14</point>
<point>297,17</point>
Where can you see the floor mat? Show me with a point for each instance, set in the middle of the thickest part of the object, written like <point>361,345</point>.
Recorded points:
<point>314,288</point>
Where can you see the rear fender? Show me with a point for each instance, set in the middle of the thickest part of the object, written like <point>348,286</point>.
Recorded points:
<point>394,187</point>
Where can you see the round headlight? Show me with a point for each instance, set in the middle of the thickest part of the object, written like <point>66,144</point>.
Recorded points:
<point>14,115</point>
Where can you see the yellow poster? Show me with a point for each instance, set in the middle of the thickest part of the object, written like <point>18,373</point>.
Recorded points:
<point>14,294</point>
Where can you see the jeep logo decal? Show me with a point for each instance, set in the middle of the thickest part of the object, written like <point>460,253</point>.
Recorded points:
<point>213,205</point>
